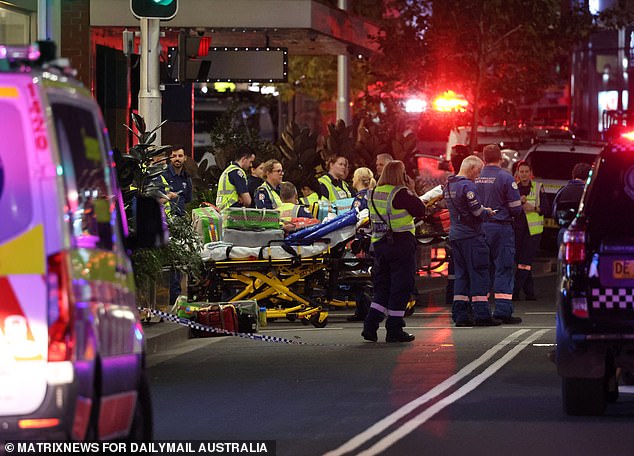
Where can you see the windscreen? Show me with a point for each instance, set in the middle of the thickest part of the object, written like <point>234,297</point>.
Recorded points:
<point>15,191</point>
<point>556,165</point>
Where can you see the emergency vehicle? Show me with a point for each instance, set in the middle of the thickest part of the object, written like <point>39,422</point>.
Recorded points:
<point>71,342</point>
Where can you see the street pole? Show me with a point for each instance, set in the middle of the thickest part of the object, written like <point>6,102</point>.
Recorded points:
<point>343,83</point>
<point>149,93</point>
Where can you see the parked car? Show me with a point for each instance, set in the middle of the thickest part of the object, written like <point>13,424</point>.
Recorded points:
<point>72,353</point>
<point>595,308</point>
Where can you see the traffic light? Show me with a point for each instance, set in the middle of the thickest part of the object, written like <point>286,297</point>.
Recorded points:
<point>154,9</point>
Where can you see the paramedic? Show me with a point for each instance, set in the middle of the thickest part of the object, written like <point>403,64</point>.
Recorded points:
<point>381,161</point>
<point>393,207</point>
<point>362,181</point>
<point>498,190</point>
<point>255,177</point>
<point>528,230</point>
<point>468,246</point>
<point>333,185</point>
<point>290,207</point>
<point>232,186</point>
<point>267,196</point>
<point>179,181</point>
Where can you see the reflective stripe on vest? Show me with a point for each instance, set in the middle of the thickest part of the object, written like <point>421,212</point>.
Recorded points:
<point>335,193</point>
<point>310,199</point>
<point>276,201</point>
<point>399,219</point>
<point>227,194</point>
<point>288,211</point>
<point>534,219</point>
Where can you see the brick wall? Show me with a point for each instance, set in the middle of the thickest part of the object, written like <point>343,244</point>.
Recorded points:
<point>75,36</point>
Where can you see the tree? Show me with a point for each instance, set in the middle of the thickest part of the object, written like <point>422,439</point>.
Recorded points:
<point>502,53</point>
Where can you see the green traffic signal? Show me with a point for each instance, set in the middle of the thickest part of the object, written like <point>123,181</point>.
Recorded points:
<point>154,9</point>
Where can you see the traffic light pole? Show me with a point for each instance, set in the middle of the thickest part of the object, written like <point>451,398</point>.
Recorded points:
<point>149,93</point>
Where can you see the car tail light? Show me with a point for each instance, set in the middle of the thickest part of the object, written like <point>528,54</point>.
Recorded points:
<point>59,341</point>
<point>574,246</point>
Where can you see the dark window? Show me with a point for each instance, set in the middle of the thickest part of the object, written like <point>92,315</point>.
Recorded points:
<point>16,207</point>
<point>88,196</point>
<point>547,164</point>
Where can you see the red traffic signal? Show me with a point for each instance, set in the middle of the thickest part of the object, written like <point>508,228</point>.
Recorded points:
<point>154,9</point>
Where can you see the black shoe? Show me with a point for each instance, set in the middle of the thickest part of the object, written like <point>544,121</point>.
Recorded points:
<point>369,335</point>
<point>400,337</point>
<point>488,322</point>
<point>510,320</point>
<point>355,317</point>
<point>464,324</point>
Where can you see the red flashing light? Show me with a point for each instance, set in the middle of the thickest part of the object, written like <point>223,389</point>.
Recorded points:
<point>38,423</point>
<point>59,343</point>
<point>203,46</point>
<point>574,247</point>
<point>629,135</point>
<point>450,102</point>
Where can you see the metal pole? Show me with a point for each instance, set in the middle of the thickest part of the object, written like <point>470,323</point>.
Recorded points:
<point>149,94</point>
<point>343,82</point>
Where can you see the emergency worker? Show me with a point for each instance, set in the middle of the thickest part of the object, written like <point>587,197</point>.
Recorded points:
<point>393,206</point>
<point>333,184</point>
<point>256,177</point>
<point>310,192</point>
<point>528,230</point>
<point>233,189</point>
<point>362,182</point>
<point>569,196</point>
<point>290,207</point>
<point>179,181</point>
<point>498,190</point>
<point>267,196</point>
<point>381,161</point>
<point>469,248</point>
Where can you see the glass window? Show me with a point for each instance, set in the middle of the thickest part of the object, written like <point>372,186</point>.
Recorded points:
<point>88,195</point>
<point>548,164</point>
<point>16,207</point>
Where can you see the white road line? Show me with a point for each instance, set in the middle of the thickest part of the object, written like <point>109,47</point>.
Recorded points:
<point>472,384</point>
<point>389,420</point>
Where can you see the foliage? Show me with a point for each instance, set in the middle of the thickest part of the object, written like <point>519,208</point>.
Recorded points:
<point>339,142</point>
<point>299,157</point>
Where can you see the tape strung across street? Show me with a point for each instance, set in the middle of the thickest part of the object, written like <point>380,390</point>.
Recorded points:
<point>223,332</point>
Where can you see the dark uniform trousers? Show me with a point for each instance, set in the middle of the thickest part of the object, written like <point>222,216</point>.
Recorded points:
<point>471,268</point>
<point>526,247</point>
<point>393,277</point>
<point>501,241</point>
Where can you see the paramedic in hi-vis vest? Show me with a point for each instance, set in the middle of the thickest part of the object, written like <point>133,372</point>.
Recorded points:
<point>232,185</point>
<point>267,195</point>
<point>333,185</point>
<point>393,206</point>
<point>290,207</point>
<point>528,229</point>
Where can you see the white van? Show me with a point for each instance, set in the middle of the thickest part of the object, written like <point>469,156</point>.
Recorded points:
<point>71,342</point>
<point>552,162</point>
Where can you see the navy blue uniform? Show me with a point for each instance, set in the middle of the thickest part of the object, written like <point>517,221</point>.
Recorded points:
<point>469,251</point>
<point>498,190</point>
<point>263,197</point>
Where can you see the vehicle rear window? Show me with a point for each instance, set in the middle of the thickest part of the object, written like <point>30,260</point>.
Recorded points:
<point>548,164</point>
<point>16,207</point>
<point>609,202</point>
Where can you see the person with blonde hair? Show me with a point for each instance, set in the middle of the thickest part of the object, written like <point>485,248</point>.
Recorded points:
<point>393,207</point>
<point>267,196</point>
<point>362,181</point>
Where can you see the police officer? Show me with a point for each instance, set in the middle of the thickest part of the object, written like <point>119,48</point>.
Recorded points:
<point>333,185</point>
<point>469,247</point>
<point>179,182</point>
<point>498,190</point>
<point>232,185</point>
<point>569,196</point>
<point>267,196</point>
<point>528,230</point>
<point>290,208</point>
<point>393,206</point>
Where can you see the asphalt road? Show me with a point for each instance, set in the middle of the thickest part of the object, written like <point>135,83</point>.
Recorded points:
<point>454,391</point>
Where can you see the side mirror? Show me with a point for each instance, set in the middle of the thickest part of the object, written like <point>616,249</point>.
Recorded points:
<point>151,225</point>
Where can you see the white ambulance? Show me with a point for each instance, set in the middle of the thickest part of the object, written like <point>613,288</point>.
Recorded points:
<point>71,342</point>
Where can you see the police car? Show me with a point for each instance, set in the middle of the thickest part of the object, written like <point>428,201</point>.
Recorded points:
<point>552,161</point>
<point>71,342</point>
<point>595,309</point>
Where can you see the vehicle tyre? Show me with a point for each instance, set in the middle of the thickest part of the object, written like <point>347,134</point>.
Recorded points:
<point>142,428</point>
<point>583,396</point>
<point>611,383</point>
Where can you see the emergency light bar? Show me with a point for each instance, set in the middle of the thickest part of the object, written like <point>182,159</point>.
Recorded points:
<point>13,54</point>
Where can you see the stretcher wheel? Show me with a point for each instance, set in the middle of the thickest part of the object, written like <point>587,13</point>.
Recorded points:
<point>291,317</point>
<point>305,321</point>
<point>314,320</point>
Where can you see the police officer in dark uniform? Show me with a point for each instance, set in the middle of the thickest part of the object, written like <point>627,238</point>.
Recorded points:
<point>569,196</point>
<point>180,183</point>
<point>469,247</point>
<point>393,206</point>
<point>498,190</point>
<point>267,196</point>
